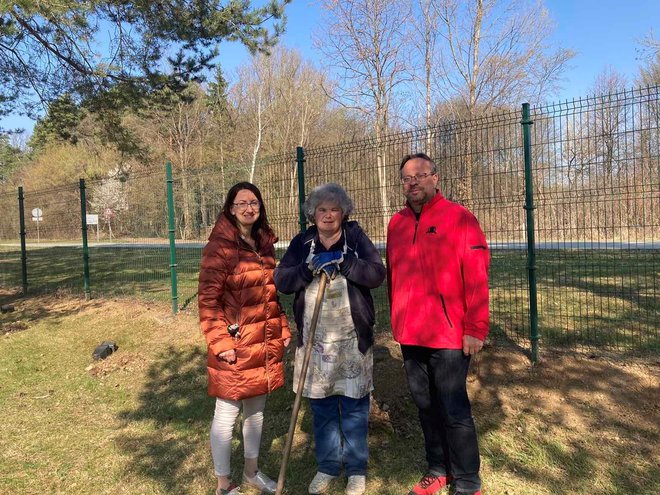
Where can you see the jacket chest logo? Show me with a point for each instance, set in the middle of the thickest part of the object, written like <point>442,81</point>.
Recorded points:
<point>431,230</point>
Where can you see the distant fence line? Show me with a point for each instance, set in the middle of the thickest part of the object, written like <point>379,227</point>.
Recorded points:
<point>587,192</point>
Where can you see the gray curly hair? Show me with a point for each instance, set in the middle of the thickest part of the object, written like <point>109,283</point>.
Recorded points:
<point>331,193</point>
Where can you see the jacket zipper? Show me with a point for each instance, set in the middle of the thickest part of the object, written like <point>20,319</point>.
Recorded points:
<point>415,234</point>
<point>444,308</point>
<point>263,276</point>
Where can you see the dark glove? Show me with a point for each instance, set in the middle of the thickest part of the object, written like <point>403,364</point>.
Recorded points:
<point>327,262</point>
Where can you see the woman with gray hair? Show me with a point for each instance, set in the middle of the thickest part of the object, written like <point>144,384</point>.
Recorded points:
<point>339,379</point>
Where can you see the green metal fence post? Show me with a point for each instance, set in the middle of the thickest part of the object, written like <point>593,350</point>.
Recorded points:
<point>21,217</point>
<point>171,232</point>
<point>83,221</point>
<point>300,160</point>
<point>531,244</point>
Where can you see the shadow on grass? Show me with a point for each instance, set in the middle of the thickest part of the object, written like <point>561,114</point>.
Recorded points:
<point>170,424</point>
<point>113,270</point>
<point>617,274</point>
<point>39,307</point>
<point>527,420</point>
<point>173,416</point>
<point>581,284</point>
<point>555,402</point>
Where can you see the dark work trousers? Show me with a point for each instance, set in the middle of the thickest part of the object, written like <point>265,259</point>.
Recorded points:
<point>437,380</point>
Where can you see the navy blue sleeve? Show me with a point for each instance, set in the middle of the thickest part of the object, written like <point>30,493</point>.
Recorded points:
<point>293,274</point>
<point>367,267</point>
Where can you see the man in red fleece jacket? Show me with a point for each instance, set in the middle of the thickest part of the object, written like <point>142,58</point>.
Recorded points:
<point>437,270</point>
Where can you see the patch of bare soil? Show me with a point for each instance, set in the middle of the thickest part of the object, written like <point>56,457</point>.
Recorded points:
<point>123,363</point>
<point>571,390</point>
<point>12,327</point>
<point>27,309</point>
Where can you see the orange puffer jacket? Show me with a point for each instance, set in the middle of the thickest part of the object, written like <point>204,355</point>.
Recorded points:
<point>236,286</point>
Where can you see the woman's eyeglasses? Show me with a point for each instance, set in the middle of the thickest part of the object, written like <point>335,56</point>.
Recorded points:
<point>243,205</point>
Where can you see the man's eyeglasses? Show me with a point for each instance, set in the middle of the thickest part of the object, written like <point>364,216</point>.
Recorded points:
<point>407,179</point>
<point>243,205</point>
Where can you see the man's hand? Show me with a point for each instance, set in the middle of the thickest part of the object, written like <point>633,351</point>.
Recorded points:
<point>471,345</point>
<point>287,342</point>
<point>228,356</point>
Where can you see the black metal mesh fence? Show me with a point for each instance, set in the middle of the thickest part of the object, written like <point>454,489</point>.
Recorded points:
<point>596,170</point>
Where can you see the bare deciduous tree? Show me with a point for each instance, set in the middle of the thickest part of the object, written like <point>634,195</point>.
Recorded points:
<point>173,128</point>
<point>494,53</point>
<point>280,104</point>
<point>364,42</point>
<point>608,123</point>
<point>424,40</point>
<point>252,96</point>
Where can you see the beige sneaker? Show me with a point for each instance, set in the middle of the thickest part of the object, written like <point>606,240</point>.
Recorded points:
<point>261,482</point>
<point>320,483</point>
<point>230,490</point>
<point>356,485</point>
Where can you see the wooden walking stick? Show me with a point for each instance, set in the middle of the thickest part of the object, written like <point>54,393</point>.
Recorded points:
<point>301,383</point>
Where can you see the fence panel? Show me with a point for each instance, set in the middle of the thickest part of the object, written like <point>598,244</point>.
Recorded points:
<point>10,248</point>
<point>597,183</point>
<point>52,237</point>
<point>127,235</point>
<point>596,170</point>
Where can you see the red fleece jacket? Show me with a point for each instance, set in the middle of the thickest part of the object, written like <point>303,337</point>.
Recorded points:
<point>437,274</point>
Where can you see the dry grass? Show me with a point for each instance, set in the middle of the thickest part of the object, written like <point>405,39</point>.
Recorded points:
<point>137,422</point>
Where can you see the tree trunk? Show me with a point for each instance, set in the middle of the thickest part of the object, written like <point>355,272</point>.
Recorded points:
<point>257,144</point>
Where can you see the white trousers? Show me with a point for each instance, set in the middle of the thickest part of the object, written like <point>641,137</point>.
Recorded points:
<point>222,429</point>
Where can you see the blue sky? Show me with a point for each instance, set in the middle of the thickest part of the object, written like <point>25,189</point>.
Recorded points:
<point>604,33</point>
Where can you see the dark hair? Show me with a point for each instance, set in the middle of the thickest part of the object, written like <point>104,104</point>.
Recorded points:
<point>423,156</point>
<point>260,228</point>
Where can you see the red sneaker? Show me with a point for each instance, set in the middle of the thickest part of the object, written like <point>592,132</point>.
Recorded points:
<point>430,484</point>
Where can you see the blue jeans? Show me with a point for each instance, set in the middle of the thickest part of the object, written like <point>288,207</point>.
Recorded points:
<point>338,418</point>
<point>437,381</point>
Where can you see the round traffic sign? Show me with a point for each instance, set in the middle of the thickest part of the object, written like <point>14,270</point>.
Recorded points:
<point>36,212</point>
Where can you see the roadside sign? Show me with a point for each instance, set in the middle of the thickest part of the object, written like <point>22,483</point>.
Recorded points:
<point>92,219</point>
<point>37,216</point>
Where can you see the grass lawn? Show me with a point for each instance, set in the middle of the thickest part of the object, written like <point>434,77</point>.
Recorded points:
<point>593,299</point>
<point>138,422</point>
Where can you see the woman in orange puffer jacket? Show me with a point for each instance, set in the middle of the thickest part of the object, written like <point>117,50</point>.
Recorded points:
<point>245,328</point>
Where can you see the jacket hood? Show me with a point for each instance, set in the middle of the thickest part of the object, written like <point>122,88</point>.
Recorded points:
<point>224,229</point>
